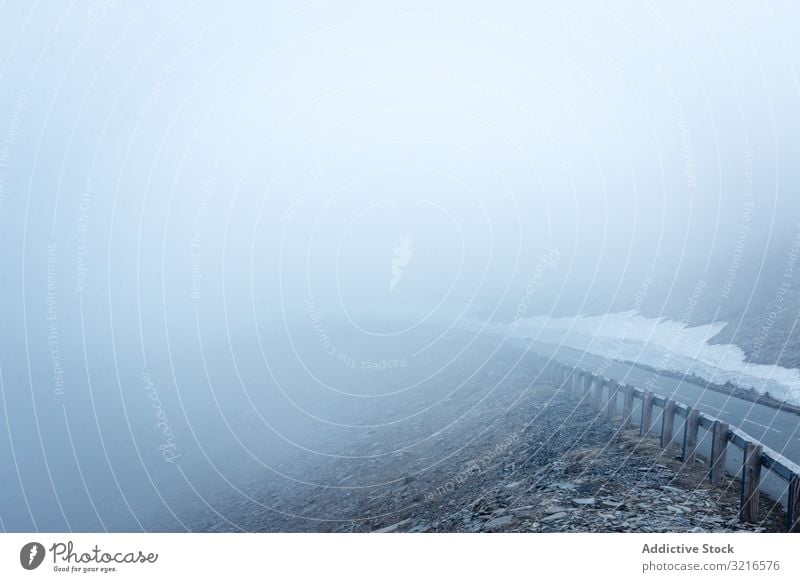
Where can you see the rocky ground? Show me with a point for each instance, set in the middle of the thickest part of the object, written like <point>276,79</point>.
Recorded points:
<point>590,477</point>
<point>529,459</point>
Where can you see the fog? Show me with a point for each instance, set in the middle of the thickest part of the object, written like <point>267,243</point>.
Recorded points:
<point>207,214</point>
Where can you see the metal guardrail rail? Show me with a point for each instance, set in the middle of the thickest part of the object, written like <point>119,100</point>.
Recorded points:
<point>604,395</point>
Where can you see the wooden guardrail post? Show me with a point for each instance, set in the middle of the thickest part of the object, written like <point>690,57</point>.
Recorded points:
<point>793,504</point>
<point>598,392</point>
<point>613,391</point>
<point>647,413</point>
<point>719,447</point>
<point>690,430</point>
<point>587,383</point>
<point>751,477</point>
<point>667,423</point>
<point>627,406</point>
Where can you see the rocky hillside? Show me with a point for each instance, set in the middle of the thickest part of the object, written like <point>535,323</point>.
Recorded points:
<point>768,330</point>
<point>757,295</point>
<point>545,466</point>
<point>763,310</point>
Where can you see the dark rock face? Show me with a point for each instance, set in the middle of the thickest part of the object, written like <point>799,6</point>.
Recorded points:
<point>761,306</point>
<point>768,331</point>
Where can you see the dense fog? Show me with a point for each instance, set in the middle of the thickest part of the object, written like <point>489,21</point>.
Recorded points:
<point>227,228</point>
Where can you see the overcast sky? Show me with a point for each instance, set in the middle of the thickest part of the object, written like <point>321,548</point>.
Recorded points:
<point>282,153</point>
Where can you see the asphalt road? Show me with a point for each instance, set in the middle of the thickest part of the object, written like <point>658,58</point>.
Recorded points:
<point>776,429</point>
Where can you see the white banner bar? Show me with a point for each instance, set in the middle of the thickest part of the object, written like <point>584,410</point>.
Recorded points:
<point>355,557</point>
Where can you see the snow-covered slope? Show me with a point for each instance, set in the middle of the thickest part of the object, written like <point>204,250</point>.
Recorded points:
<point>660,343</point>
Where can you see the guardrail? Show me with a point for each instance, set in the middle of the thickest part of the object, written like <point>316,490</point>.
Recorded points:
<point>604,395</point>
